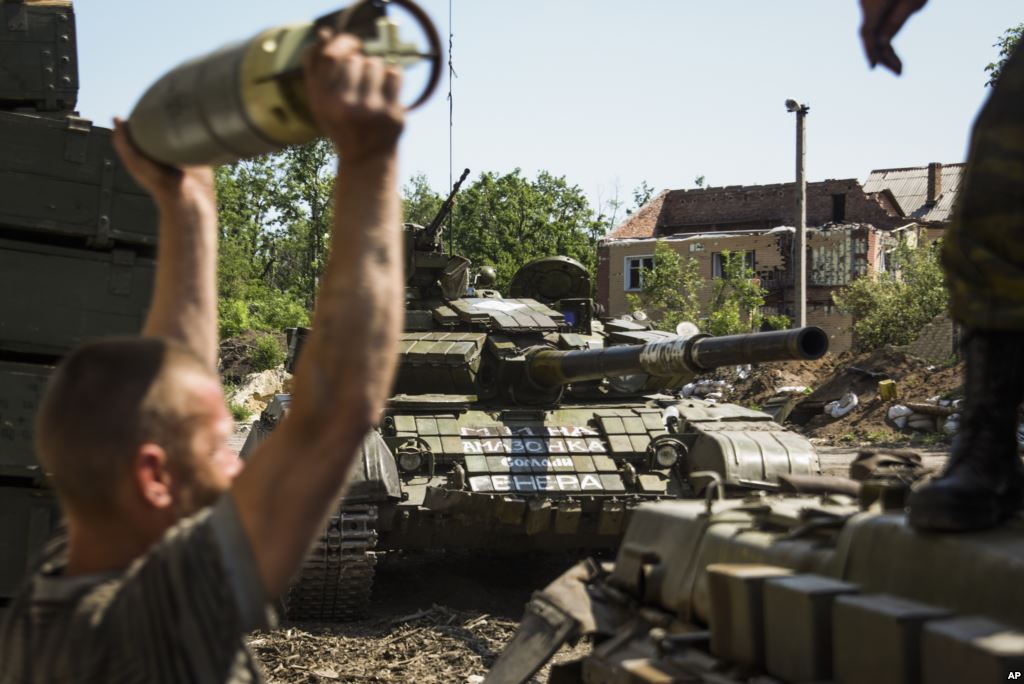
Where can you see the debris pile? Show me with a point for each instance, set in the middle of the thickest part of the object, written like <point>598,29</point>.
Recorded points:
<point>436,645</point>
<point>847,403</point>
<point>708,389</point>
<point>935,415</point>
<point>845,398</point>
<point>754,386</point>
<point>257,389</point>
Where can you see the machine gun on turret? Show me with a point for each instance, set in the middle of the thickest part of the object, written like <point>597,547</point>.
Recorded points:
<point>430,237</point>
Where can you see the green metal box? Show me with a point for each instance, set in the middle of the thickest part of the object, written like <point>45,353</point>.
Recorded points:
<point>54,298</point>
<point>21,388</point>
<point>27,517</point>
<point>38,52</point>
<point>62,177</point>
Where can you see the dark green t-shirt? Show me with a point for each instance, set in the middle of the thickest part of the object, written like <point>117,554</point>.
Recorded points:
<point>178,614</point>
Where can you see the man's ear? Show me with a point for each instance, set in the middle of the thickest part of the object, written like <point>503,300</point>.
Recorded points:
<point>152,476</point>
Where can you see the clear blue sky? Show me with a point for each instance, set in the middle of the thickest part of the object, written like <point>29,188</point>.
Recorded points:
<point>610,93</point>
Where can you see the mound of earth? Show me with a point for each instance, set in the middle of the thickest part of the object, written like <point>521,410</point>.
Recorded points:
<point>831,377</point>
<point>765,380</point>
<point>916,380</point>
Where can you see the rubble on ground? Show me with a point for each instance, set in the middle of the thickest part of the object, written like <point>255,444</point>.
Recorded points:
<point>837,398</point>
<point>257,389</point>
<point>847,405</point>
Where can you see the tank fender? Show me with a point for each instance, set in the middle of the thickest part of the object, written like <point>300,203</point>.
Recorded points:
<point>374,475</point>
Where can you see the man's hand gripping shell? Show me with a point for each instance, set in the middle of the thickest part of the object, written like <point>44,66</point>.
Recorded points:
<point>353,98</point>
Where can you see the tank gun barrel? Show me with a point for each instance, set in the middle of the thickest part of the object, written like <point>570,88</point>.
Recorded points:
<point>680,356</point>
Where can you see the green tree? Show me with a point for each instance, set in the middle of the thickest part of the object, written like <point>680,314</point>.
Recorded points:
<point>737,300</point>
<point>508,220</point>
<point>892,308</point>
<point>420,203</point>
<point>671,289</point>
<point>304,207</point>
<point>274,220</point>
<point>642,194</point>
<point>1006,43</point>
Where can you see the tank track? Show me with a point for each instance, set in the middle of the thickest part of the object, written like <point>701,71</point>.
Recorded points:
<point>336,579</point>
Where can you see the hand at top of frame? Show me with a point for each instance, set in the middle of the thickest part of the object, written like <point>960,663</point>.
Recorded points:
<point>353,98</point>
<point>883,19</point>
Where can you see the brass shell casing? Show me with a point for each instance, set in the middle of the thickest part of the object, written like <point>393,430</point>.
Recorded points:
<point>240,101</point>
<point>272,91</point>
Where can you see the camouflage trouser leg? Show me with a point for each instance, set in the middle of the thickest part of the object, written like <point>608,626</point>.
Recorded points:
<point>984,249</point>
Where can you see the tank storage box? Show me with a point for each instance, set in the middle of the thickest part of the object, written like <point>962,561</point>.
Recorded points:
<point>21,388</point>
<point>39,54</point>
<point>60,176</point>
<point>55,298</point>
<point>77,246</point>
<point>27,518</point>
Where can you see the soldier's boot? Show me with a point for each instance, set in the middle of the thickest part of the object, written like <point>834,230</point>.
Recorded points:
<point>983,482</point>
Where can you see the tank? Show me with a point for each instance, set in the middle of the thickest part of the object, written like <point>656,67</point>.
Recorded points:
<point>783,588</point>
<point>528,422</point>
<point>77,245</point>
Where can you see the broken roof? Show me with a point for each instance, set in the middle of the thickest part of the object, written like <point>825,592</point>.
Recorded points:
<point>642,223</point>
<point>910,188</point>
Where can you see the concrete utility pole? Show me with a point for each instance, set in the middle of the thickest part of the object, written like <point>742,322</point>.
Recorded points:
<point>801,111</point>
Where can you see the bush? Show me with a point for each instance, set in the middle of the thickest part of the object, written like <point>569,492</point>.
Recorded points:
<point>233,315</point>
<point>892,309</point>
<point>778,322</point>
<point>737,299</point>
<point>279,311</point>
<point>264,310</point>
<point>266,353</point>
<point>238,412</point>
<point>670,289</point>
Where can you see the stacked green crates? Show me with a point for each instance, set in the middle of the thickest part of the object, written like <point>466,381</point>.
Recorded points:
<point>77,247</point>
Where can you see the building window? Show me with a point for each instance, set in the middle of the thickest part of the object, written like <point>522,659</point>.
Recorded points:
<point>839,207</point>
<point>716,262</point>
<point>635,267</point>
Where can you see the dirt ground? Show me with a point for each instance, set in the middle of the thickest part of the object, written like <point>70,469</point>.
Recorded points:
<point>439,618</point>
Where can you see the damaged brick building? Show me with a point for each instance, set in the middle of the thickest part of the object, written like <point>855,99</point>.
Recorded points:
<point>851,226</point>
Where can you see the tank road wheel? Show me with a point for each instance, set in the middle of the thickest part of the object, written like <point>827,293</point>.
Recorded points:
<point>336,580</point>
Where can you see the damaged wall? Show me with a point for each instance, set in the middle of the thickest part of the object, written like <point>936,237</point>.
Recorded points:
<point>837,254</point>
<point>937,342</point>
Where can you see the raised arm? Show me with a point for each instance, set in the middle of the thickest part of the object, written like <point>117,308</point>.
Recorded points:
<point>348,364</point>
<point>184,304</point>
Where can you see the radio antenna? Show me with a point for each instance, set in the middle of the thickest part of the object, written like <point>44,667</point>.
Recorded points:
<point>451,125</point>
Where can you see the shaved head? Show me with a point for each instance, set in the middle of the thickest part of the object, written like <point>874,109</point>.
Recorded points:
<point>104,401</point>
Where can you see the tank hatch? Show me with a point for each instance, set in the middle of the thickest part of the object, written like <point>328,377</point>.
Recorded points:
<point>551,279</point>
<point>526,315</point>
